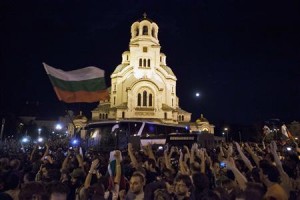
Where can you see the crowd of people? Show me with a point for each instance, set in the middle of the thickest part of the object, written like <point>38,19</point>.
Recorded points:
<point>58,171</point>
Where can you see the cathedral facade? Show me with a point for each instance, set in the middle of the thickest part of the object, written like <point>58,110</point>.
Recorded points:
<point>143,86</point>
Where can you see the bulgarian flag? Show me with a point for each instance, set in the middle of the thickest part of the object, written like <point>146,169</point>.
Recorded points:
<point>82,85</point>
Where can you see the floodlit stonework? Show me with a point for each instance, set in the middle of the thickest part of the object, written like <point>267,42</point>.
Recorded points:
<point>143,86</point>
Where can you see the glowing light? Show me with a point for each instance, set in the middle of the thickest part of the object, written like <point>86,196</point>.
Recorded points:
<point>197,94</point>
<point>75,141</point>
<point>25,140</point>
<point>40,139</point>
<point>58,127</point>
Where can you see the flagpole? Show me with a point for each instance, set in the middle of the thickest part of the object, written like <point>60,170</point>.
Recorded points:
<point>2,129</point>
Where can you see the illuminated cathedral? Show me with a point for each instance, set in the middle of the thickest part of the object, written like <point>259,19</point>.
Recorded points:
<point>143,86</point>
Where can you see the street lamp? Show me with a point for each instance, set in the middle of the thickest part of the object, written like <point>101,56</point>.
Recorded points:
<point>226,131</point>
<point>39,130</point>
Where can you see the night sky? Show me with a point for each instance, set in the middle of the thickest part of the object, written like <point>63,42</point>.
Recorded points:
<point>243,57</point>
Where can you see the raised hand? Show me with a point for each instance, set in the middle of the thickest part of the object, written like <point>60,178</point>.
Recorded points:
<point>94,164</point>
<point>130,148</point>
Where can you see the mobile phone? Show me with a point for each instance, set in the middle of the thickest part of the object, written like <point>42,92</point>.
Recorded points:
<point>222,164</point>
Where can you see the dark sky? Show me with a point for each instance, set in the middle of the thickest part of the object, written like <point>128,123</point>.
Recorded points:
<point>242,56</point>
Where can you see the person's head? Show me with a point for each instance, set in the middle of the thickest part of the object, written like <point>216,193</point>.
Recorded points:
<point>201,181</point>
<point>12,181</point>
<point>269,173</point>
<point>28,177</point>
<point>54,174</point>
<point>45,168</point>
<point>216,167</point>
<point>77,177</point>
<point>253,191</point>
<point>33,190</point>
<point>183,185</point>
<point>150,164</point>
<point>4,163</point>
<point>58,191</point>
<point>136,183</point>
<point>161,194</point>
<point>15,164</point>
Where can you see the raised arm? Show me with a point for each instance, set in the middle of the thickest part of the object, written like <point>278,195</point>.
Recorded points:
<point>240,178</point>
<point>253,155</point>
<point>193,151</point>
<point>273,149</point>
<point>33,152</point>
<point>46,151</point>
<point>150,152</point>
<point>183,168</point>
<point>88,178</point>
<point>244,158</point>
<point>167,157</point>
<point>200,153</point>
<point>132,156</point>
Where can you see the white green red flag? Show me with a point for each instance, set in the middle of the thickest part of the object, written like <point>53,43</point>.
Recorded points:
<point>84,85</point>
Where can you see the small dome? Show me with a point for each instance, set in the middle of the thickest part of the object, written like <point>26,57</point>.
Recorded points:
<point>201,119</point>
<point>80,117</point>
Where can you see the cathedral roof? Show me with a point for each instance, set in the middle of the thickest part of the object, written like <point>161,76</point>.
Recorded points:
<point>168,70</point>
<point>120,68</point>
<point>166,107</point>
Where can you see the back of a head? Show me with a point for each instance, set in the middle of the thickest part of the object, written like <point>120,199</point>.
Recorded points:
<point>272,172</point>
<point>209,195</point>
<point>161,194</point>
<point>57,187</point>
<point>33,190</point>
<point>15,164</point>
<point>201,181</point>
<point>253,191</point>
<point>12,180</point>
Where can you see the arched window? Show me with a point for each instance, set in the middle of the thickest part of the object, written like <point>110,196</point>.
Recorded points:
<point>150,99</point>
<point>114,100</point>
<point>139,100</point>
<point>172,102</point>
<point>100,116</point>
<point>144,98</point>
<point>123,114</point>
<point>137,31</point>
<point>182,117</point>
<point>106,116</point>
<point>166,115</point>
<point>145,30</point>
<point>153,32</point>
<point>148,62</point>
<point>141,62</point>
<point>144,63</point>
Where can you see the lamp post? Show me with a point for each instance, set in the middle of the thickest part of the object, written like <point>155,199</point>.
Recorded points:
<point>226,132</point>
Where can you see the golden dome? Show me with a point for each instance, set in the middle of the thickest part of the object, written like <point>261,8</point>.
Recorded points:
<point>201,119</point>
